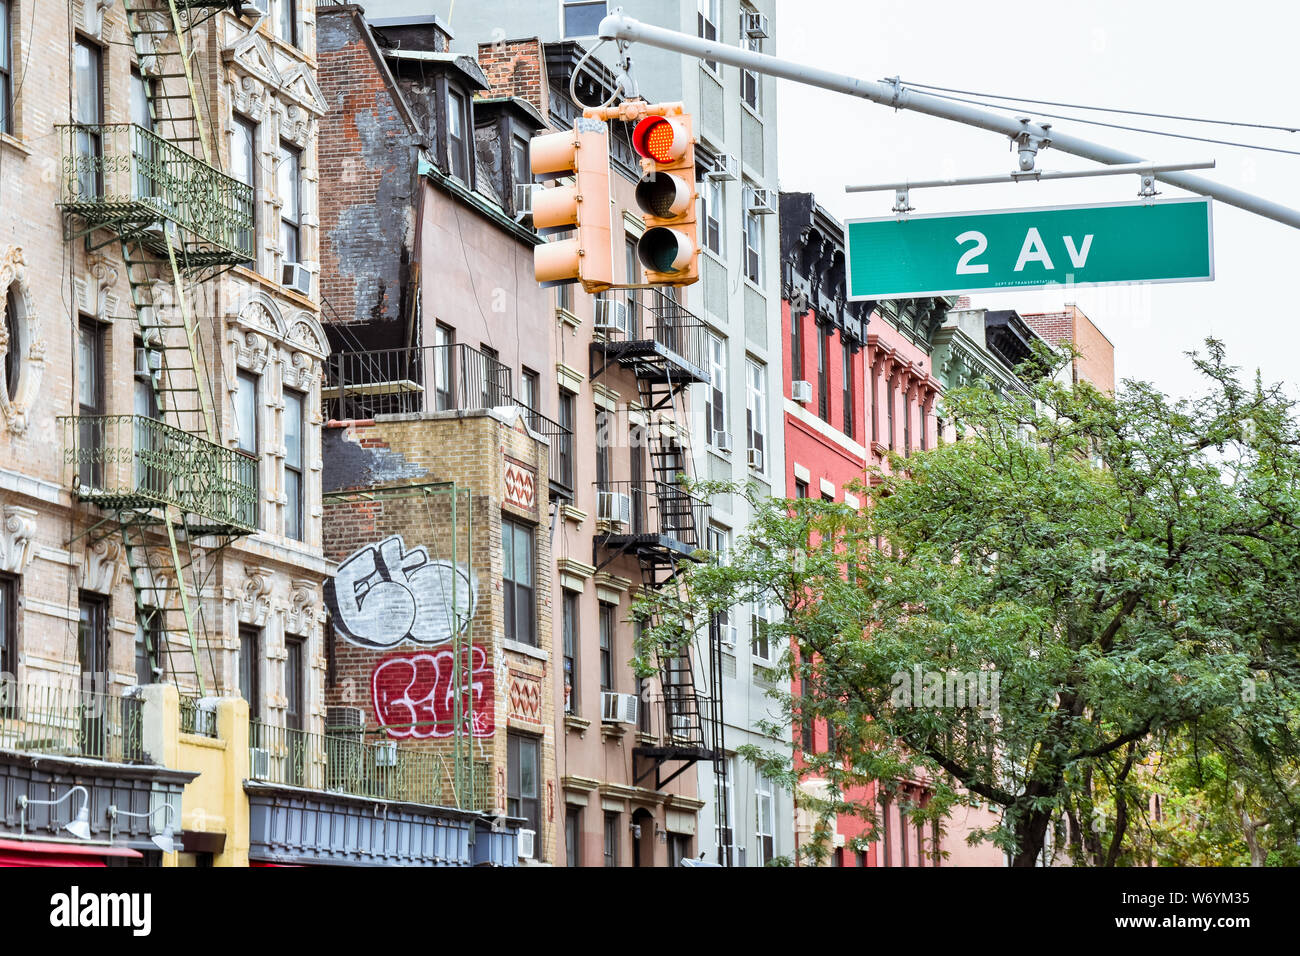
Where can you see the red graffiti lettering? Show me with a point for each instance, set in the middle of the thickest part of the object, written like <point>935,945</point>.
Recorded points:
<point>415,694</point>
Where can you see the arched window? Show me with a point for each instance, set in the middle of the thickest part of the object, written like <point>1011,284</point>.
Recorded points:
<point>13,353</point>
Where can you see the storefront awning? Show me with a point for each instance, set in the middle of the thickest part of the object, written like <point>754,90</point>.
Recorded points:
<point>32,853</point>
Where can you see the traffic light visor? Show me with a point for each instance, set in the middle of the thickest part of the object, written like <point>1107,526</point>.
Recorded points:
<point>660,139</point>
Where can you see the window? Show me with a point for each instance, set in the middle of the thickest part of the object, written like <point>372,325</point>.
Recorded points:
<point>569,625</point>
<point>632,264</point>
<point>294,405</point>
<point>491,393</point>
<point>766,829</point>
<point>886,849</point>
<point>760,643</point>
<point>753,247</point>
<point>604,428</point>
<point>611,838</point>
<point>564,456</point>
<point>751,85</point>
<point>679,848</point>
<point>755,415</point>
<point>889,413</point>
<point>907,422</point>
<point>846,375</point>
<point>289,188</point>
<point>519,160</point>
<point>714,213</point>
<point>90,402</point>
<point>718,542</point>
<point>708,25</point>
<point>636,468</point>
<point>142,149</point>
<point>807,739</point>
<point>823,374</point>
<point>92,648</point>
<point>148,646</point>
<point>6,72</point>
<point>796,346</point>
<point>875,396</point>
<point>564,294</point>
<point>293,682</point>
<point>286,21</point>
<point>8,630</point>
<point>517,584</point>
<point>243,163</point>
<point>444,388</point>
<point>573,836</point>
<point>246,411</point>
<point>723,827</point>
<point>800,488</point>
<point>249,686</point>
<point>457,143</point>
<point>530,386</point>
<point>607,646</point>
<point>582,17</point>
<point>522,785</point>
<point>89,115</point>
<point>925,428</point>
<point>14,351</point>
<point>715,407</point>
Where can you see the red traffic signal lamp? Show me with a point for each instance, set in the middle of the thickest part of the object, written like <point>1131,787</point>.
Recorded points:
<point>669,248</point>
<point>582,206</point>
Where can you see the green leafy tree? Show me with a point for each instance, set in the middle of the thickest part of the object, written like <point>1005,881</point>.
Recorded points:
<point>1125,568</point>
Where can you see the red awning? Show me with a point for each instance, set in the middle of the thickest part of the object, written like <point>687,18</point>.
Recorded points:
<point>32,853</point>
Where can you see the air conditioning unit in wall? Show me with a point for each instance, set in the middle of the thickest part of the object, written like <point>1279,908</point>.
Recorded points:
<point>527,844</point>
<point>611,316</point>
<point>756,26</point>
<point>801,391</point>
<point>618,708</point>
<point>728,170</point>
<point>614,507</point>
<point>296,276</point>
<point>759,200</point>
<point>259,763</point>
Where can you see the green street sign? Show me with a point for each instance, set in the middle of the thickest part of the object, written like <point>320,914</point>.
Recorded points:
<point>1167,240</point>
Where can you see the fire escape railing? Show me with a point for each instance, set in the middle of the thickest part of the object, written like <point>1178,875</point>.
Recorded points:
<point>125,177</point>
<point>654,316</point>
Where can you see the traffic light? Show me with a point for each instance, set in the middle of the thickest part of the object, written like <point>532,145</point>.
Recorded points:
<point>669,248</point>
<point>583,206</point>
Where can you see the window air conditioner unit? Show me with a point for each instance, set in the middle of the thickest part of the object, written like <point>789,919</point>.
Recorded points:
<point>259,763</point>
<point>386,754</point>
<point>611,316</point>
<point>205,716</point>
<point>801,392</point>
<point>727,635</point>
<point>728,170</point>
<point>756,459</point>
<point>756,26</point>
<point>524,200</point>
<point>261,6</point>
<point>295,276</point>
<point>527,843</point>
<point>759,200</point>
<point>614,506</point>
<point>722,440</point>
<point>618,708</point>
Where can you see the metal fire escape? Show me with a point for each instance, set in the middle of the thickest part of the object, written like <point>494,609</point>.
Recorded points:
<point>663,345</point>
<point>162,473</point>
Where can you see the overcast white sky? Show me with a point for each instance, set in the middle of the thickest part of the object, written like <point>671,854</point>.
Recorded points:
<point>1194,57</point>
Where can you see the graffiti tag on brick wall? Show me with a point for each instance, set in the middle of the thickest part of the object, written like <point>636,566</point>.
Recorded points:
<point>383,595</point>
<point>415,694</point>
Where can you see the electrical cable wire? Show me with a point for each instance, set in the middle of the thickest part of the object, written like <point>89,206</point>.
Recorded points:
<point>1104,109</point>
<point>1131,129</point>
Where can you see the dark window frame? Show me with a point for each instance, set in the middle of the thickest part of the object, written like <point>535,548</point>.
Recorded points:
<point>573,835</point>
<point>297,506</point>
<point>846,376</point>
<point>823,374</point>
<point>250,641</point>
<point>707,29</point>
<point>6,68</point>
<point>519,804</point>
<point>569,632</point>
<point>523,632</point>
<point>796,346</point>
<point>606,625</point>
<point>286,10</point>
<point>567,5</point>
<point>290,225</point>
<point>610,831</point>
<point>460,151</point>
<point>9,585</point>
<point>13,368</point>
<point>91,434</point>
<point>295,683</point>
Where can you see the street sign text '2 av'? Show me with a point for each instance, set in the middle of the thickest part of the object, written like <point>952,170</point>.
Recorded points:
<point>1169,240</point>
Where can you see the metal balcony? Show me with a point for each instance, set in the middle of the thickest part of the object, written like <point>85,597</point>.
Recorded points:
<point>659,522</point>
<point>126,179</point>
<point>437,378</point>
<point>651,333</point>
<point>70,721</point>
<point>132,462</point>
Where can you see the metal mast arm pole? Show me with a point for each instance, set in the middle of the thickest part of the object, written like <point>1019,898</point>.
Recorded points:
<point>1031,136</point>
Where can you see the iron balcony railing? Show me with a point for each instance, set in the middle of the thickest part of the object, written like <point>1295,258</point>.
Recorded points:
<point>69,721</point>
<point>126,177</point>
<point>679,717</point>
<point>656,316</point>
<point>655,508</point>
<point>436,378</point>
<point>133,461</point>
<point>347,763</point>
<point>197,719</point>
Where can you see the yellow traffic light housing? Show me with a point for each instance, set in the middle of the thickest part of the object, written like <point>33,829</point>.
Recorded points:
<point>669,249</point>
<point>582,205</point>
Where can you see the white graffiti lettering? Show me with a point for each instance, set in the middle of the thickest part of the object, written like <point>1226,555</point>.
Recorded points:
<point>383,595</point>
